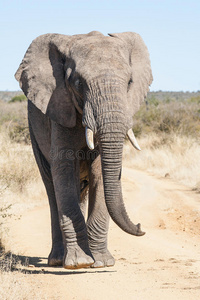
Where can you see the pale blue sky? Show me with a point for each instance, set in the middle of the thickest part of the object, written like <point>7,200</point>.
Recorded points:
<point>171,30</point>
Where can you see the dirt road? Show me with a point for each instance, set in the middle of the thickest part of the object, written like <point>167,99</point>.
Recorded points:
<point>163,264</point>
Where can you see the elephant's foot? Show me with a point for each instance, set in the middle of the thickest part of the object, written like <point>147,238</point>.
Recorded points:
<point>103,259</point>
<point>56,256</point>
<point>76,258</point>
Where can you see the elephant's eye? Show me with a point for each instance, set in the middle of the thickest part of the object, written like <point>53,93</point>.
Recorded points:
<point>129,83</point>
<point>78,84</point>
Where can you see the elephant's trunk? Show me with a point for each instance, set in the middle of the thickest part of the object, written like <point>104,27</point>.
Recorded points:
<point>109,120</point>
<point>111,147</point>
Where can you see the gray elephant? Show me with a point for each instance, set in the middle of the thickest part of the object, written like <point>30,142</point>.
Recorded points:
<point>83,91</point>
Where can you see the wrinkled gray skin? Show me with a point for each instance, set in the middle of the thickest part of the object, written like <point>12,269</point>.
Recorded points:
<point>72,82</point>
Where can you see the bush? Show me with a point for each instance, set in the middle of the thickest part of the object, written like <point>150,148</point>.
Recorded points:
<point>180,117</point>
<point>13,119</point>
<point>194,100</point>
<point>19,133</point>
<point>19,98</point>
<point>153,101</point>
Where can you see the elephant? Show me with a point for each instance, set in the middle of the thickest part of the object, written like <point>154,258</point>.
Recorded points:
<point>83,91</point>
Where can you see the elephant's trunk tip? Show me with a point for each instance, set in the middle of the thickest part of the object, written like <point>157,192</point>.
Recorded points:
<point>139,231</point>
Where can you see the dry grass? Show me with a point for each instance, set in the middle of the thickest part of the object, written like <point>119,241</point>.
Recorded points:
<point>19,173</point>
<point>17,164</point>
<point>168,132</point>
<point>21,187</point>
<point>174,156</point>
<point>13,121</point>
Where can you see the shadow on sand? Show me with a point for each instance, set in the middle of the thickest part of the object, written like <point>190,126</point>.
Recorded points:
<point>10,262</point>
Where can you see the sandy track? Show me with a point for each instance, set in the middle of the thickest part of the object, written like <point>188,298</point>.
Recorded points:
<point>163,264</point>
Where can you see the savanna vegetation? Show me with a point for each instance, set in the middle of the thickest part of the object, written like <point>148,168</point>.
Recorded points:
<point>20,189</point>
<point>167,128</point>
<point>19,175</point>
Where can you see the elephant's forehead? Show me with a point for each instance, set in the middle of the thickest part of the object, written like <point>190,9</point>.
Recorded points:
<point>98,53</point>
<point>95,47</point>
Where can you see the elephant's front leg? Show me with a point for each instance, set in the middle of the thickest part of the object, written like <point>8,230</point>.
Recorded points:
<point>65,174</point>
<point>77,253</point>
<point>98,219</point>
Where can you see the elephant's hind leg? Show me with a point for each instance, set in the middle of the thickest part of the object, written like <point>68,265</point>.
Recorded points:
<point>57,252</point>
<point>98,219</point>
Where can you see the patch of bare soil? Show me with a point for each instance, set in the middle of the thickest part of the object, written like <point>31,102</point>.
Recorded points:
<point>163,264</point>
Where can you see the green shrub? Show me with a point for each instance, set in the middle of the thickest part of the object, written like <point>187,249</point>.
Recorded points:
<point>19,98</point>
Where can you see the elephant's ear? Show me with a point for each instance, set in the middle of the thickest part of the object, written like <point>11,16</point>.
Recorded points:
<point>140,65</point>
<point>42,78</point>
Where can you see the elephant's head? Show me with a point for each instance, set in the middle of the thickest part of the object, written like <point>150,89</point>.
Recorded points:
<point>104,78</point>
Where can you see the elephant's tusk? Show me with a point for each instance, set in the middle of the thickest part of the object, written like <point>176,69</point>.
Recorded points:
<point>89,138</point>
<point>132,139</point>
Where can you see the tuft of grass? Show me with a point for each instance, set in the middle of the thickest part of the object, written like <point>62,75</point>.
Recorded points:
<point>10,262</point>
